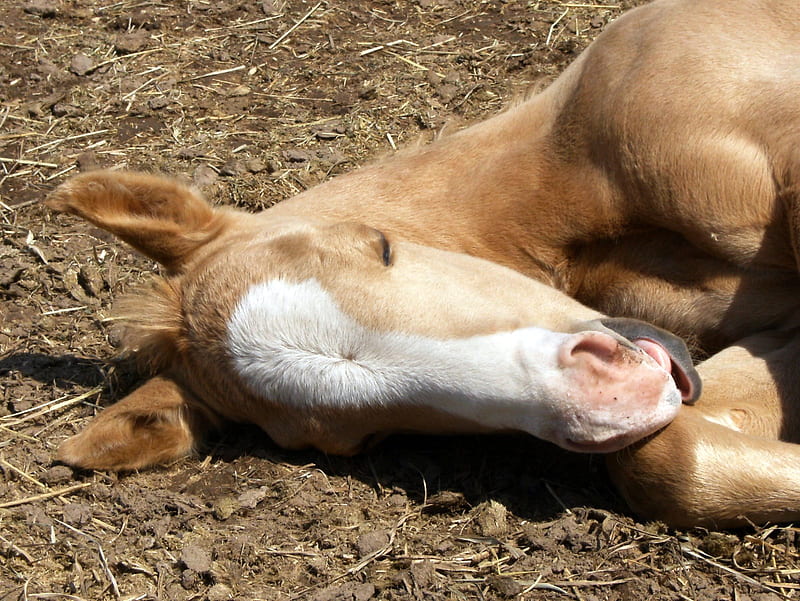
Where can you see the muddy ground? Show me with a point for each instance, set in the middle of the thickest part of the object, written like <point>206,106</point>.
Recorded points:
<point>255,101</point>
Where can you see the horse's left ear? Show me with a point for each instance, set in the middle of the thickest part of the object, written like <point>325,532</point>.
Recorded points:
<point>156,423</point>
<point>158,216</point>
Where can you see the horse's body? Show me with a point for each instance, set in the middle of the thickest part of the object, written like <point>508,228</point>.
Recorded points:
<point>657,178</point>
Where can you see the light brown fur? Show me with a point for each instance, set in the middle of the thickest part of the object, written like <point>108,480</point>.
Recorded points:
<point>657,178</point>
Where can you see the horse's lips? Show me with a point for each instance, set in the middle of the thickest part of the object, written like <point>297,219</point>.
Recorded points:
<point>663,359</point>
<point>657,352</point>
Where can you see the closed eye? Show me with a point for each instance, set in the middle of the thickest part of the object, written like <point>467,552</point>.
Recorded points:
<point>386,256</point>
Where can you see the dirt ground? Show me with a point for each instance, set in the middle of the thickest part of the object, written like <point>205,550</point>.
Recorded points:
<point>253,102</point>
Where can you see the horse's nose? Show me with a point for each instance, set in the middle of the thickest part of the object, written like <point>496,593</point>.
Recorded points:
<point>590,349</point>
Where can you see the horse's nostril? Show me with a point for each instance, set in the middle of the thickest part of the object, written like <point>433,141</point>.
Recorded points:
<point>588,344</point>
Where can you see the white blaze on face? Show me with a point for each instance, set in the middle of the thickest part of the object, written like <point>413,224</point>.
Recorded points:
<point>291,343</point>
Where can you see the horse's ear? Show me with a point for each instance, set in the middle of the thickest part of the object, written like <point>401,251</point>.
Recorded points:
<point>154,424</point>
<point>160,217</point>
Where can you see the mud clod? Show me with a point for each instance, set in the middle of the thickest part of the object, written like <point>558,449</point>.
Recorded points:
<point>81,64</point>
<point>370,542</point>
<point>129,42</point>
<point>196,559</point>
<point>77,514</point>
<point>47,9</point>
<point>491,519</point>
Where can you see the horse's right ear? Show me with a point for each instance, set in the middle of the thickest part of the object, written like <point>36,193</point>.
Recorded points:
<point>156,423</point>
<point>159,217</point>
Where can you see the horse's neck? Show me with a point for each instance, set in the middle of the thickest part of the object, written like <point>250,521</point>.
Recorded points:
<point>495,190</point>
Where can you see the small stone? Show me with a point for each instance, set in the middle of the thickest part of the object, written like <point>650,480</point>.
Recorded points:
<point>87,161</point>
<point>46,9</point>
<point>719,544</point>
<point>505,586</point>
<point>370,542</point>
<point>597,22</point>
<point>159,102</point>
<point>77,514</point>
<point>446,501</point>
<point>491,519</point>
<point>232,168</point>
<point>250,498</point>
<point>58,474</point>
<point>225,507</point>
<point>447,92</point>
<point>19,405</point>
<point>90,279</point>
<point>204,176</point>
<point>346,592</point>
<point>196,558</point>
<point>238,91</point>
<point>190,579</point>
<point>330,131</point>
<point>219,592</point>
<point>268,7</point>
<point>187,153</point>
<point>130,42</point>
<point>255,165</point>
<point>296,155</point>
<point>81,64</point>
<point>64,109</point>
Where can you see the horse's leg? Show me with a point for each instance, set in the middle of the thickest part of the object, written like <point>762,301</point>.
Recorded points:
<point>727,460</point>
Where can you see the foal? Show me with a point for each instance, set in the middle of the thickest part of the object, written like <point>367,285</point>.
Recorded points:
<point>657,178</point>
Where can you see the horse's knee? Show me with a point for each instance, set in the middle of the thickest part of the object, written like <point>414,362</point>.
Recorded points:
<point>657,476</point>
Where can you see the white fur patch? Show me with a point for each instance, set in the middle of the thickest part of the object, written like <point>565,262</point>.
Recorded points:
<point>291,343</point>
<point>723,420</point>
